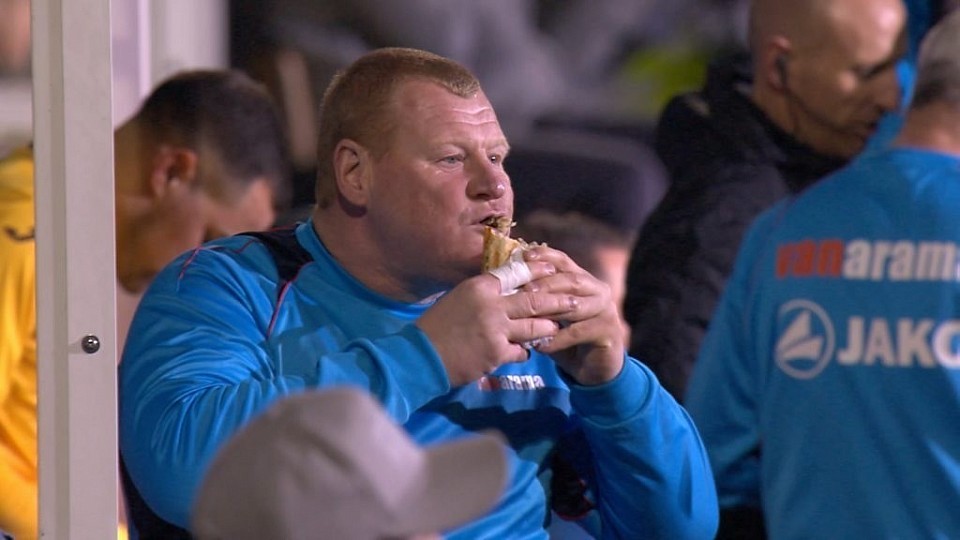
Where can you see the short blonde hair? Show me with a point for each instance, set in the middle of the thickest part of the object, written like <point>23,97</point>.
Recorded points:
<point>357,103</point>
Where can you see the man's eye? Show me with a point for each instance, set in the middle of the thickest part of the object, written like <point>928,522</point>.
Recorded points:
<point>452,160</point>
<point>496,158</point>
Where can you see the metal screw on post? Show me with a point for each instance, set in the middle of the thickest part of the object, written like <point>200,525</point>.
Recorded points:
<point>90,343</point>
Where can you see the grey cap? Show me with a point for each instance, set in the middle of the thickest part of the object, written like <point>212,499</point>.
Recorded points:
<point>333,464</point>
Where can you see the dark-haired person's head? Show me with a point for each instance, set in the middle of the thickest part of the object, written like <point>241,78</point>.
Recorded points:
<point>204,157</point>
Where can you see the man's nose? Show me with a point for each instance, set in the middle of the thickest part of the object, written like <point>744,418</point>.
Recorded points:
<point>488,181</point>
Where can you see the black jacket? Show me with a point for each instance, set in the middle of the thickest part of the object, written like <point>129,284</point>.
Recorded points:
<point>726,163</point>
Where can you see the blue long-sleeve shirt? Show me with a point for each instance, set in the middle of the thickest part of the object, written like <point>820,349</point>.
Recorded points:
<point>827,390</point>
<point>211,346</point>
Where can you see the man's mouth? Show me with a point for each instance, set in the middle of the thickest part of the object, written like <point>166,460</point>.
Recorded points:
<point>499,222</point>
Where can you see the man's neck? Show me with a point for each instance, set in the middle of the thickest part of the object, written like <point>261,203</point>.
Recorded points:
<point>934,127</point>
<point>346,240</point>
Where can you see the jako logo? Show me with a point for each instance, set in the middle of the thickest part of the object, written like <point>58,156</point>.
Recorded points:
<point>808,340</point>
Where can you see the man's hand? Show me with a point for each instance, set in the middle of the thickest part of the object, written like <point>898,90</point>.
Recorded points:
<point>589,347</point>
<point>475,329</point>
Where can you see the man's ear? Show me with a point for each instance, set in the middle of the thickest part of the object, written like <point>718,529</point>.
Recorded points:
<point>173,167</point>
<point>774,63</point>
<point>352,164</point>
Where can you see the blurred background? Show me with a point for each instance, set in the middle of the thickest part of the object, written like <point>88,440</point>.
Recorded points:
<point>577,83</point>
<point>151,39</point>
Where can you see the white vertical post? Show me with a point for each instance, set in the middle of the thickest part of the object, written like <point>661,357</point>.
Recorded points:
<point>73,144</point>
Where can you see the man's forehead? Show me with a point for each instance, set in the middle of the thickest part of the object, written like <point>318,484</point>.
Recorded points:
<point>435,114</point>
<point>828,26</point>
<point>422,96</point>
<point>851,23</point>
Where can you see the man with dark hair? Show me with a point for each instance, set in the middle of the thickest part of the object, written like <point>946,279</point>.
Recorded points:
<point>382,289</point>
<point>821,78</point>
<point>828,387</point>
<point>204,157</point>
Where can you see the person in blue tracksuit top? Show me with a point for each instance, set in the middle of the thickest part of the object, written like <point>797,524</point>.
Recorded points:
<point>381,290</point>
<point>828,388</point>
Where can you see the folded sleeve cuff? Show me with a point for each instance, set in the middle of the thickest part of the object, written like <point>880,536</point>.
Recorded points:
<point>617,400</point>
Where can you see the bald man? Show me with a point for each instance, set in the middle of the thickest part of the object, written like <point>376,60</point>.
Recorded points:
<point>821,77</point>
<point>828,387</point>
<point>825,68</point>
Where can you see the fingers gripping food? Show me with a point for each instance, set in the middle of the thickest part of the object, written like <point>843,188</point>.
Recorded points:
<point>499,260</point>
<point>502,255</point>
<point>497,244</point>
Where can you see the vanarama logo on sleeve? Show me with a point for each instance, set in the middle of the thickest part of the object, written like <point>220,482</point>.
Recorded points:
<point>808,341</point>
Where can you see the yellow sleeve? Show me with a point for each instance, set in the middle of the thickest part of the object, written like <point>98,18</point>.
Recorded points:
<point>18,348</point>
<point>17,271</point>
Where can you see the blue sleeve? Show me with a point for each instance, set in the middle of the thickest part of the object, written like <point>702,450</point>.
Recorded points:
<point>652,475</point>
<point>197,366</point>
<point>722,396</point>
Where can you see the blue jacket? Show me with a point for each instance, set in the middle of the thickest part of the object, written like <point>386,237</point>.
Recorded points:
<point>827,390</point>
<point>211,347</point>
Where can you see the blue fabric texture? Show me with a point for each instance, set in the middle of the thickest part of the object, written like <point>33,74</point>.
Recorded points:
<point>828,387</point>
<point>211,347</point>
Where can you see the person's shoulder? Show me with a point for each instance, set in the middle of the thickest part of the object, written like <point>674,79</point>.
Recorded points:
<point>243,250</point>
<point>727,187</point>
<point>239,258</point>
<point>832,196</point>
<point>703,151</point>
<point>22,155</point>
<point>849,182</point>
<point>720,206</point>
<point>895,179</point>
<point>16,176</point>
<point>682,112</point>
<point>17,232</point>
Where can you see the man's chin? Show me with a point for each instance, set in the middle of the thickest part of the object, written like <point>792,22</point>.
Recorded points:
<point>846,149</point>
<point>462,272</point>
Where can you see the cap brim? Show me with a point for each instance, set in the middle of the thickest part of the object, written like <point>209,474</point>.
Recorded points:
<point>461,481</point>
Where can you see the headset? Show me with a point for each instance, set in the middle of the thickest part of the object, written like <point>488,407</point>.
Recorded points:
<point>781,64</point>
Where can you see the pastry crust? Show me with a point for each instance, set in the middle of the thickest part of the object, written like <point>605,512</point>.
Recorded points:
<point>497,248</point>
